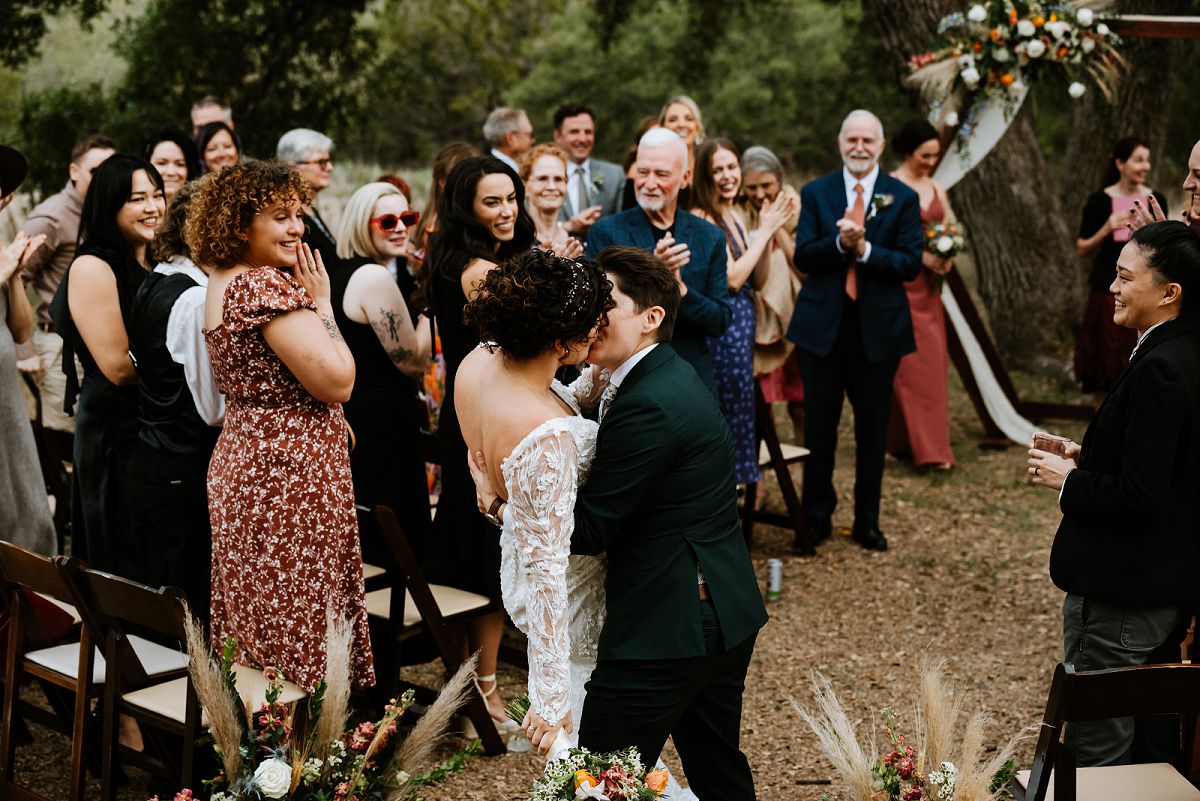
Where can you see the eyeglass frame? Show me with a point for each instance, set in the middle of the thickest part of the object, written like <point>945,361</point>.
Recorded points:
<point>415,216</point>
<point>324,164</point>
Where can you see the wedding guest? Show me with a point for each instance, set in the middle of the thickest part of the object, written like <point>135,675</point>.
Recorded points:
<point>775,364</point>
<point>593,186</point>
<point>24,514</point>
<point>443,162</point>
<point>1102,347</point>
<point>383,410</point>
<point>1126,550</point>
<point>544,173</point>
<point>181,412</point>
<point>1150,211</point>
<point>174,155</point>
<point>56,218</point>
<point>481,222</point>
<point>694,250</point>
<point>219,147</point>
<point>309,151</point>
<point>682,115</point>
<point>920,419</point>
<point>210,108</point>
<point>717,187</point>
<point>121,213</point>
<point>629,164</point>
<point>284,539</point>
<point>510,133</point>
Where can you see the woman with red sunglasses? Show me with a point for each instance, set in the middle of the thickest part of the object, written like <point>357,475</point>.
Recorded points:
<point>384,411</point>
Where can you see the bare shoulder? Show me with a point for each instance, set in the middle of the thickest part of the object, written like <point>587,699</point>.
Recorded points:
<point>90,268</point>
<point>473,275</point>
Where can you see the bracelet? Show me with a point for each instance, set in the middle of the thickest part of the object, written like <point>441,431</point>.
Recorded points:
<point>493,512</point>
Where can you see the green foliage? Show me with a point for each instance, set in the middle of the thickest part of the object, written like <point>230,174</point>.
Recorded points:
<point>24,24</point>
<point>48,124</point>
<point>453,765</point>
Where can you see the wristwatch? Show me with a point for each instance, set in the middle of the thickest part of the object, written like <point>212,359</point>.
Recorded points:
<point>493,513</point>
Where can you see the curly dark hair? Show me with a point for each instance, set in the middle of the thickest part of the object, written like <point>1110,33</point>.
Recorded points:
<point>168,239</point>
<point>224,204</point>
<point>536,301</point>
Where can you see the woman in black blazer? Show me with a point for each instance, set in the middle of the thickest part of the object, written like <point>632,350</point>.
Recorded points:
<point>1128,548</point>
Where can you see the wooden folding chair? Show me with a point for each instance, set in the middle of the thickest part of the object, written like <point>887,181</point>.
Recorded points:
<point>33,652</point>
<point>412,606</point>
<point>146,680</point>
<point>1097,695</point>
<point>778,457</point>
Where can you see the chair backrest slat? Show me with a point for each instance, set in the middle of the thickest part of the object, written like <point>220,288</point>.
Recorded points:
<point>1124,692</point>
<point>32,571</point>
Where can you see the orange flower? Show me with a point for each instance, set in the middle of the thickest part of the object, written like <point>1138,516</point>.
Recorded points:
<point>1054,18</point>
<point>995,34</point>
<point>656,781</point>
<point>1006,79</point>
<point>977,47</point>
<point>585,780</point>
<point>1012,16</point>
<point>1062,52</point>
<point>1039,22</point>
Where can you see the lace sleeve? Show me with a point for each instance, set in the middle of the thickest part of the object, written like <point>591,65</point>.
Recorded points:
<point>587,391</point>
<point>542,482</point>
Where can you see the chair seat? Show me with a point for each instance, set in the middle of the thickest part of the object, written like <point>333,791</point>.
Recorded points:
<point>64,659</point>
<point>370,571</point>
<point>169,699</point>
<point>791,453</point>
<point>1153,782</point>
<point>450,602</point>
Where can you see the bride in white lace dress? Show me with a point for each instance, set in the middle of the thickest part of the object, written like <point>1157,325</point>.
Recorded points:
<point>537,313</point>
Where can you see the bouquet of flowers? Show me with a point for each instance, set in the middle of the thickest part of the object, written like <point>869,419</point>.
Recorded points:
<point>575,774</point>
<point>997,48</point>
<point>946,239</point>
<point>266,755</point>
<point>933,766</point>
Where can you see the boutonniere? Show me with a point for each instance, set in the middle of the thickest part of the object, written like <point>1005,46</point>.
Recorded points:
<point>879,203</point>
<point>597,183</point>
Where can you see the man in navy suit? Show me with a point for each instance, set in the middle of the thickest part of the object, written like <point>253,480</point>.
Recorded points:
<point>859,239</point>
<point>694,250</point>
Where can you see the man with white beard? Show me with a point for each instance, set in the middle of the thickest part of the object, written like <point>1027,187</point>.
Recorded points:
<point>693,249</point>
<point>859,239</point>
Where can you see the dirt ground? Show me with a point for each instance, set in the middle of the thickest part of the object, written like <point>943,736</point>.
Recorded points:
<point>965,578</point>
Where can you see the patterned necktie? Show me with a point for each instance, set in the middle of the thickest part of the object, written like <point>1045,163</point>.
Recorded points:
<point>858,215</point>
<point>581,193</point>
<point>606,399</point>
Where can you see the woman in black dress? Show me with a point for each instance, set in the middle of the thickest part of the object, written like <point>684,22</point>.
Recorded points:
<point>384,411</point>
<point>121,213</point>
<point>1102,347</point>
<point>481,222</point>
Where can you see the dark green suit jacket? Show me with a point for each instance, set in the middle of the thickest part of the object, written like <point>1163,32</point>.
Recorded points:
<point>661,496</point>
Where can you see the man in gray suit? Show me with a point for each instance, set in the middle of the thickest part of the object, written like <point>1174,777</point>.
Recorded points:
<point>594,187</point>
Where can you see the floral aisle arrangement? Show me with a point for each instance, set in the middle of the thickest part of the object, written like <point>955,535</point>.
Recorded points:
<point>995,50</point>
<point>945,239</point>
<point>933,765</point>
<point>575,774</point>
<point>272,753</point>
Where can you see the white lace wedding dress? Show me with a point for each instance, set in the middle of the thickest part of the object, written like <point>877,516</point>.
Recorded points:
<point>554,597</point>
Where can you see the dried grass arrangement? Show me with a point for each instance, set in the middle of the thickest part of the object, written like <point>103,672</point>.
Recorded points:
<point>940,762</point>
<point>274,753</point>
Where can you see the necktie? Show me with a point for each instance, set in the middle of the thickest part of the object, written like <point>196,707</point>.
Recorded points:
<point>606,399</point>
<point>581,193</point>
<point>857,214</point>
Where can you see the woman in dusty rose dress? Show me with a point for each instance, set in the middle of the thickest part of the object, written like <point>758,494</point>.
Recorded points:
<point>281,501</point>
<point>920,422</point>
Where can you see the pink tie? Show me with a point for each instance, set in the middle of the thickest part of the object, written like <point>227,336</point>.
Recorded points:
<point>858,215</point>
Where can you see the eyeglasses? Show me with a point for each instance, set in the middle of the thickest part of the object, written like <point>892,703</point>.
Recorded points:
<point>324,164</point>
<point>389,222</point>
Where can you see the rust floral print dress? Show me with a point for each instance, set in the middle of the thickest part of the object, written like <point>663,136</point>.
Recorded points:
<point>285,536</point>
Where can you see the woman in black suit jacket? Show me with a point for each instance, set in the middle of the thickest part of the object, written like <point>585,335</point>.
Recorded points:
<point>1128,547</point>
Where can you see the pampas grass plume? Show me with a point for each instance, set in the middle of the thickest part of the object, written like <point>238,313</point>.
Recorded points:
<point>835,733</point>
<point>335,710</point>
<point>223,714</point>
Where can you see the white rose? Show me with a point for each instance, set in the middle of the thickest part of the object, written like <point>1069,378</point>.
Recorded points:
<point>967,60</point>
<point>1025,28</point>
<point>1035,49</point>
<point>970,77</point>
<point>1085,17</point>
<point>1057,29</point>
<point>273,778</point>
<point>977,13</point>
<point>1076,89</point>
<point>1102,29</point>
<point>944,244</point>
<point>951,119</point>
<point>1016,87</point>
<point>1087,44</point>
<point>1001,54</point>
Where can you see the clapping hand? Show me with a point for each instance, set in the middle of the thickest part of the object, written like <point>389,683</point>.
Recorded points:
<point>15,255</point>
<point>852,236</point>
<point>777,212</point>
<point>675,257</point>
<point>310,272</point>
<point>583,220</point>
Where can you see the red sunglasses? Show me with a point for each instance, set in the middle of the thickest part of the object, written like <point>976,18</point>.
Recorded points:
<point>389,222</point>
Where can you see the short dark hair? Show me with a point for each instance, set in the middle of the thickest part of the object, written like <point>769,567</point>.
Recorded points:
<point>207,132</point>
<point>1122,150</point>
<point>646,280</point>
<point>92,142</point>
<point>912,135</point>
<point>536,300</point>
<point>571,110</point>
<point>1172,252</point>
<point>110,189</point>
<point>181,140</point>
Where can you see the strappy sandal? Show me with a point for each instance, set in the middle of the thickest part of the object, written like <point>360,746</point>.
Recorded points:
<point>507,725</point>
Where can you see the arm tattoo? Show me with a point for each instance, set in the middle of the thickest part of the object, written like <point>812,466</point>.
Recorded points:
<point>399,355</point>
<point>391,320</point>
<point>332,328</point>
